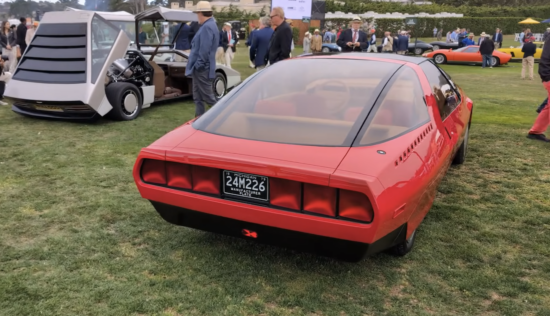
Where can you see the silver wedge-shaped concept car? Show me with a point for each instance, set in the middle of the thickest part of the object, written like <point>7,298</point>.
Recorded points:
<point>80,65</point>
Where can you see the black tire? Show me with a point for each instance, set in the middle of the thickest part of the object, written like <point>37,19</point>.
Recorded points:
<point>460,155</point>
<point>125,108</point>
<point>436,47</point>
<point>418,51</point>
<point>440,59</point>
<point>495,61</point>
<point>219,86</point>
<point>404,247</point>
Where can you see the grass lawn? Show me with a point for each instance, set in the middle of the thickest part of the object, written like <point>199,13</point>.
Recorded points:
<point>76,238</point>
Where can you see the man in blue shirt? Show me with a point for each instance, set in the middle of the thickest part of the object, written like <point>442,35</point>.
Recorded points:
<point>182,41</point>
<point>327,38</point>
<point>201,66</point>
<point>469,41</point>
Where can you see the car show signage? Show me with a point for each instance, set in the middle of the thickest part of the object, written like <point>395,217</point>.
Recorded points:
<point>410,21</point>
<point>294,9</point>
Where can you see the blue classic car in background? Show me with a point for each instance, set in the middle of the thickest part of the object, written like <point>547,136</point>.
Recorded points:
<point>330,47</point>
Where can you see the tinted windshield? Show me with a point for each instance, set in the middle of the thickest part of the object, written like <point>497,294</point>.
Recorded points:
<point>309,101</point>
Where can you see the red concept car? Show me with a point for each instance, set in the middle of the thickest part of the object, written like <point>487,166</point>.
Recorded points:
<point>335,154</point>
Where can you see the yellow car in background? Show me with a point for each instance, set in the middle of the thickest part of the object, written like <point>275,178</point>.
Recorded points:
<point>516,53</point>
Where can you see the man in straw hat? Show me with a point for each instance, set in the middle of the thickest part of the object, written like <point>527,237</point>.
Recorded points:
<point>201,66</point>
<point>482,37</point>
<point>280,45</point>
<point>229,42</point>
<point>486,50</point>
<point>316,42</point>
<point>353,39</point>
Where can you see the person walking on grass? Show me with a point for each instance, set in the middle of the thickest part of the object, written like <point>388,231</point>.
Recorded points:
<point>486,50</point>
<point>528,61</point>
<point>201,66</point>
<point>259,49</point>
<point>543,119</point>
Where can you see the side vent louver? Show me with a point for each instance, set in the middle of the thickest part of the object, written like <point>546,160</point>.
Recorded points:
<point>57,54</point>
<point>413,145</point>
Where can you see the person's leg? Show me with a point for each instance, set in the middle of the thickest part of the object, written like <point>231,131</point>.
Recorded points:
<point>523,66</point>
<point>2,89</point>
<point>531,64</point>
<point>542,105</point>
<point>197,97</point>
<point>228,57</point>
<point>542,121</point>
<point>205,87</point>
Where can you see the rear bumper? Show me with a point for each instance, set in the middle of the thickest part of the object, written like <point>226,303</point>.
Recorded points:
<point>326,246</point>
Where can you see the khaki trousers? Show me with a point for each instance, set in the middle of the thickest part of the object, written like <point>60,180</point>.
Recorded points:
<point>528,62</point>
<point>228,57</point>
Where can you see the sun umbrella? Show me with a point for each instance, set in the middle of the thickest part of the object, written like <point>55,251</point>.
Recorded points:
<point>546,21</point>
<point>529,21</point>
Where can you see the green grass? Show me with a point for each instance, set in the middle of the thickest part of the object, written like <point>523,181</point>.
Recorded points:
<point>76,238</point>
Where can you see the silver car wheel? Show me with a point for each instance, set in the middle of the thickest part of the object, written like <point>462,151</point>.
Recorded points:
<point>418,51</point>
<point>435,47</point>
<point>130,103</point>
<point>493,62</point>
<point>325,50</point>
<point>439,59</point>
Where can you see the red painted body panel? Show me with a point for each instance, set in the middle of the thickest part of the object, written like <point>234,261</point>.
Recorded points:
<point>400,184</point>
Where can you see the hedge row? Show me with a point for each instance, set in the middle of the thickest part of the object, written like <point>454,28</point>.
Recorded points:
<point>360,6</point>
<point>425,26</point>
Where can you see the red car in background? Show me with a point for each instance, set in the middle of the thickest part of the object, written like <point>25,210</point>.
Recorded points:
<point>466,55</point>
<point>336,154</point>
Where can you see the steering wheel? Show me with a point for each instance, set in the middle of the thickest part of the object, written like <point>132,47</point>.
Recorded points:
<point>336,94</point>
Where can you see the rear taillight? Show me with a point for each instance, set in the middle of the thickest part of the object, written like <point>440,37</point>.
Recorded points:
<point>355,205</point>
<point>319,199</point>
<point>153,171</point>
<point>181,176</point>
<point>285,193</point>
<point>206,180</point>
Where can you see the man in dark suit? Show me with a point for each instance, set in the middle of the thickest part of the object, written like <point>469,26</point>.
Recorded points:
<point>21,34</point>
<point>497,38</point>
<point>403,43</point>
<point>281,41</point>
<point>248,43</point>
<point>353,39</point>
<point>229,41</point>
<point>259,48</point>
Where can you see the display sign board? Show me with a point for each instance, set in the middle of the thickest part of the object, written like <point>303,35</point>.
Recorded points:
<point>306,19</point>
<point>294,9</point>
<point>410,21</point>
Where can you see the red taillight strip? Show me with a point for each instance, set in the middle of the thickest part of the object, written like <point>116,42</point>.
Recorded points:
<point>311,199</point>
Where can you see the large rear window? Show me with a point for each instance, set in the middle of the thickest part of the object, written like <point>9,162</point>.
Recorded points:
<point>320,102</point>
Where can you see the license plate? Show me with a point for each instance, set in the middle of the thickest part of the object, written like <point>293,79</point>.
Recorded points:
<point>245,185</point>
<point>48,108</point>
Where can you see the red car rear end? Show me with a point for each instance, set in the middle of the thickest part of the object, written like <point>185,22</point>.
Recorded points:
<point>311,163</point>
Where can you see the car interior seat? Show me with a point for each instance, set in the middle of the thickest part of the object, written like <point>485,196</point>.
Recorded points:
<point>158,79</point>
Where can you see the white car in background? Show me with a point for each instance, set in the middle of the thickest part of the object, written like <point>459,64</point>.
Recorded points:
<point>80,65</point>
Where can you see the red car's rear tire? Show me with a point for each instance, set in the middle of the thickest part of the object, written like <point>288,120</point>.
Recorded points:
<point>460,156</point>
<point>404,247</point>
